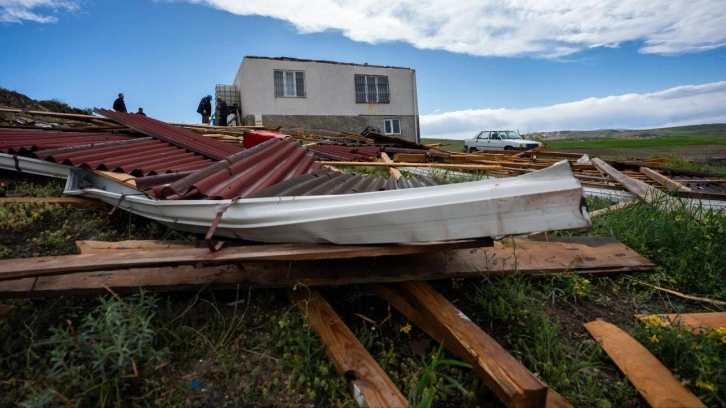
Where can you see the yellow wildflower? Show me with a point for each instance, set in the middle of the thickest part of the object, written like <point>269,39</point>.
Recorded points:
<point>705,385</point>
<point>406,329</point>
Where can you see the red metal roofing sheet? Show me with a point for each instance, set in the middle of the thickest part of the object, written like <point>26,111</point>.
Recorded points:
<point>175,135</point>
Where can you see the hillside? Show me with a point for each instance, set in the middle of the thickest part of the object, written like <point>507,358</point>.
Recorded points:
<point>15,100</point>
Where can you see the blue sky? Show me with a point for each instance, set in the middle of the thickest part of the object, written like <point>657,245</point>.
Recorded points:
<point>525,64</point>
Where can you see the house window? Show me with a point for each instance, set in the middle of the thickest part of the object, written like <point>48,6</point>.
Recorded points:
<point>372,89</point>
<point>392,126</point>
<point>289,84</point>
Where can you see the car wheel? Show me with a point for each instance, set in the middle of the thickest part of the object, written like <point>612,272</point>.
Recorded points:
<point>472,149</point>
<point>508,148</point>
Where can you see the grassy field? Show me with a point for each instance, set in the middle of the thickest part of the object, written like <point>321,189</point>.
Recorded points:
<point>699,144</point>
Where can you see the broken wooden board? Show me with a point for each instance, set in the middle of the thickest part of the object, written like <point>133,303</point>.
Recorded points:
<point>655,383</point>
<point>513,384</point>
<point>370,385</point>
<point>539,258</point>
<point>694,321</point>
<point>55,265</point>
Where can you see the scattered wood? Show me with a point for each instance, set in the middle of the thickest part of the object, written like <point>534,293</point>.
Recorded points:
<point>613,207</point>
<point>666,182</point>
<point>695,321</point>
<point>5,312</point>
<point>395,173</point>
<point>411,164</point>
<point>682,295</point>
<point>587,255</point>
<point>646,192</point>
<point>369,384</point>
<point>54,265</point>
<point>655,383</point>
<point>513,384</point>
<point>79,202</point>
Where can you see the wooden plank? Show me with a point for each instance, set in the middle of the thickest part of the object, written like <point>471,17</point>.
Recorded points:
<point>696,321</point>
<point>646,192</point>
<point>666,182</point>
<point>613,207</point>
<point>370,385</point>
<point>79,202</point>
<point>583,255</point>
<point>589,255</point>
<point>5,312</point>
<point>637,187</point>
<point>655,383</point>
<point>513,384</point>
<point>411,157</point>
<point>97,247</point>
<point>411,164</point>
<point>53,265</point>
<point>395,173</point>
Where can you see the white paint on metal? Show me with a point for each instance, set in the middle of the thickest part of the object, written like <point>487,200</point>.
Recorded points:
<point>544,200</point>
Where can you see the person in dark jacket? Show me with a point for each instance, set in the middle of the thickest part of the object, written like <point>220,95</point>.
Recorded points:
<point>141,112</point>
<point>205,108</point>
<point>119,105</point>
<point>223,111</point>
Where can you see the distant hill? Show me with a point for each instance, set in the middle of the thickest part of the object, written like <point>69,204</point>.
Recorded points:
<point>717,129</point>
<point>15,100</point>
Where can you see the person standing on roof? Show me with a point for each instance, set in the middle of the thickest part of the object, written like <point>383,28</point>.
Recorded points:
<point>205,108</point>
<point>141,112</point>
<point>223,111</point>
<point>119,105</point>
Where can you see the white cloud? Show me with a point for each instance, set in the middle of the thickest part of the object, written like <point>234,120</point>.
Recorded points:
<point>683,105</point>
<point>513,28</point>
<point>38,11</point>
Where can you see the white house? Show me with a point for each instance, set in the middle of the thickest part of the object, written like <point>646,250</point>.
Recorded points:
<point>324,95</point>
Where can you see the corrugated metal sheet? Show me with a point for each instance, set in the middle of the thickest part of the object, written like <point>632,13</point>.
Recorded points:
<point>19,141</point>
<point>138,156</point>
<point>239,175</point>
<point>345,152</point>
<point>175,135</point>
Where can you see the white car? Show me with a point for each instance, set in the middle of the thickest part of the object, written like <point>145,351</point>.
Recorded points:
<point>499,140</point>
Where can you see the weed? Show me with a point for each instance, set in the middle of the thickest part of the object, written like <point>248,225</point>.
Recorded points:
<point>433,380</point>
<point>101,360</point>
<point>511,302</point>
<point>697,358</point>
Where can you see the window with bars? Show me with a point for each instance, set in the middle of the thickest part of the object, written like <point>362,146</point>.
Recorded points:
<point>392,126</point>
<point>289,84</point>
<point>372,89</point>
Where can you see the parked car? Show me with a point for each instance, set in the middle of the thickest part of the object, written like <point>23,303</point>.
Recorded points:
<point>499,140</point>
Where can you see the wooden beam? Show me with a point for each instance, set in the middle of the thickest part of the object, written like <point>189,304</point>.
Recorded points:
<point>513,384</point>
<point>409,164</point>
<point>395,173</point>
<point>666,182</point>
<point>369,384</point>
<point>54,265</point>
<point>655,383</point>
<point>537,258</point>
<point>646,192</point>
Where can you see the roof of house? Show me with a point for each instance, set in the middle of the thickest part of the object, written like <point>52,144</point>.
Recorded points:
<point>326,62</point>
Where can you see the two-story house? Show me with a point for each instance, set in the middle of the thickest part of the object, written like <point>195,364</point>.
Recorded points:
<point>323,95</point>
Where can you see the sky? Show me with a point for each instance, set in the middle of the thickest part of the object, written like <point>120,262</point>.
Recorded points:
<point>531,65</point>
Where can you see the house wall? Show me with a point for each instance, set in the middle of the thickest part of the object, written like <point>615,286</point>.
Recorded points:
<point>329,102</point>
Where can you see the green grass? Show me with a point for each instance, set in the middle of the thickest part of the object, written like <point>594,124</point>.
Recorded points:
<point>636,142</point>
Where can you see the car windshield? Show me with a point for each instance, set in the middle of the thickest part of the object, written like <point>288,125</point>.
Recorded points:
<point>509,134</point>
